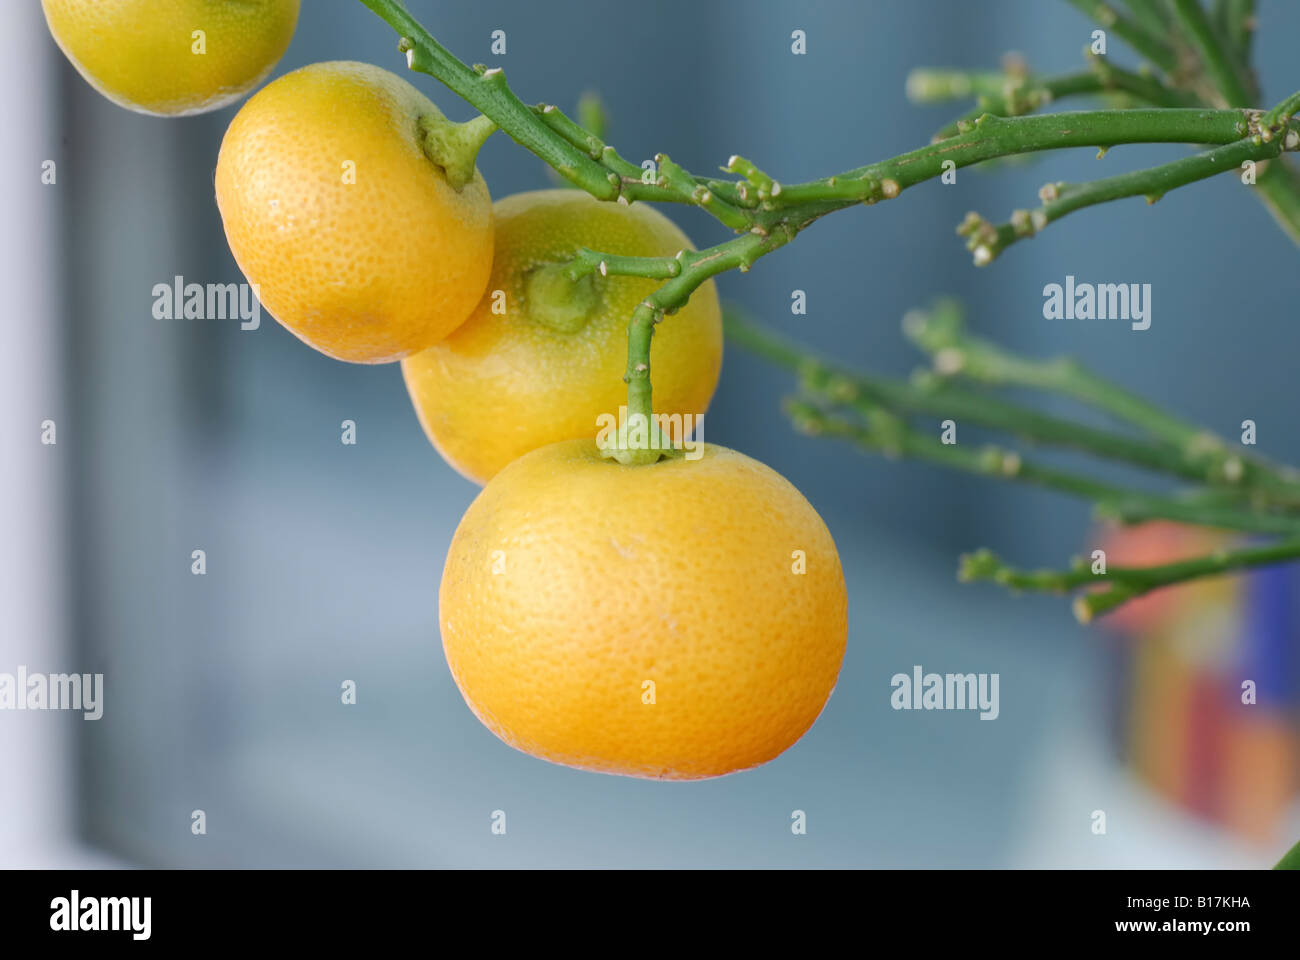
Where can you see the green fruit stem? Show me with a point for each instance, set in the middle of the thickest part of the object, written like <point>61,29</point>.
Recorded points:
<point>455,146</point>
<point>559,301</point>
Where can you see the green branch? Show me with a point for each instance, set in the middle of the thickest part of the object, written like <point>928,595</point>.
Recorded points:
<point>941,84</point>
<point>986,240</point>
<point>767,214</point>
<point>940,332</point>
<point>1122,583</point>
<point>1143,86</point>
<point>1278,117</point>
<point>1221,69</point>
<point>992,137</point>
<point>1229,45</point>
<point>695,269</point>
<point>587,262</point>
<point>1239,26</point>
<point>776,213</point>
<point>876,413</point>
<point>592,115</point>
<point>936,396</point>
<point>585,160</point>
<point>889,434</point>
<point>1020,94</point>
<point>488,92</point>
<point>1153,15</point>
<point>1136,35</point>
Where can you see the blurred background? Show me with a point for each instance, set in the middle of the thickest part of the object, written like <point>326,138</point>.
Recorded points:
<point>323,560</point>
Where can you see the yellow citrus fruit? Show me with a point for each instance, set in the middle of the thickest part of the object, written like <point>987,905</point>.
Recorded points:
<point>172,57</point>
<point>680,620</point>
<point>334,209</point>
<point>540,359</point>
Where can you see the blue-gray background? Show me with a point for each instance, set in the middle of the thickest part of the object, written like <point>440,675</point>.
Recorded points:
<point>324,560</point>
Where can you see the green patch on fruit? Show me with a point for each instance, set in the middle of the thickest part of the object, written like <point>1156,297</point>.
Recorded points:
<point>454,146</point>
<point>555,300</point>
<point>636,442</point>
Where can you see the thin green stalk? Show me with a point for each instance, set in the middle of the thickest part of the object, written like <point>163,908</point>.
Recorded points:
<point>1018,96</point>
<point>885,405</point>
<point>488,92</point>
<point>580,157</point>
<point>1279,190</point>
<point>940,84</point>
<point>1144,86</point>
<point>696,268</point>
<point>587,262</point>
<point>986,240</point>
<point>889,434</point>
<point>1239,22</point>
<point>939,398</point>
<point>992,137</point>
<point>592,115</point>
<point>1234,24</point>
<point>782,211</point>
<point>631,179</point>
<point>1146,42</point>
<point>940,332</point>
<point>1153,15</point>
<point>1022,95</point>
<point>1123,583</point>
<point>1222,70</point>
<point>1276,118</point>
<point>764,213</point>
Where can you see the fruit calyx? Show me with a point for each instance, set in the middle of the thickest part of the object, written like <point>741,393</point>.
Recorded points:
<point>637,442</point>
<point>555,300</point>
<point>454,146</point>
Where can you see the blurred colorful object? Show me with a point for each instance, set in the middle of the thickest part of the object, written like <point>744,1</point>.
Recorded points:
<point>1208,683</point>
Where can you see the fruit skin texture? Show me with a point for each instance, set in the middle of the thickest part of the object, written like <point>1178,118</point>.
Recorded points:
<point>572,580</point>
<point>505,384</point>
<point>367,271</point>
<point>140,53</point>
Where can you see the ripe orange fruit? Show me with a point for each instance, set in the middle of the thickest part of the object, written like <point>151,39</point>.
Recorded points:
<point>648,620</point>
<point>358,241</point>
<point>172,57</point>
<point>544,369</point>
